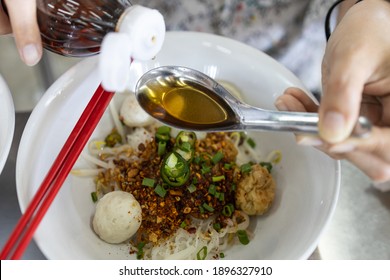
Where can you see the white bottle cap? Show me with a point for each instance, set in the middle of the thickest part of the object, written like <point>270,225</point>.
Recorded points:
<point>140,36</point>
<point>146,29</point>
<point>114,61</point>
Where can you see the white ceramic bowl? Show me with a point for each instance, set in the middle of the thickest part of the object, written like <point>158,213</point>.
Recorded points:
<point>307,180</point>
<point>7,122</point>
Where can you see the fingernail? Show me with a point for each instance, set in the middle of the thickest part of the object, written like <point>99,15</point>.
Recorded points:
<point>280,105</point>
<point>30,54</point>
<point>342,148</point>
<point>333,127</point>
<point>310,141</point>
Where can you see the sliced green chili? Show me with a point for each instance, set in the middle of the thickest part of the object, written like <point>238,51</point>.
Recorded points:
<point>175,170</point>
<point>202,253</point>
<point>185,137</point>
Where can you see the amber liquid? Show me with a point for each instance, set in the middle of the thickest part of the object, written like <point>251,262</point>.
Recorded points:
<point>187,105</point>
<point>77,27</point>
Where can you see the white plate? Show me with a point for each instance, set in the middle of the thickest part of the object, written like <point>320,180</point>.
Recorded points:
<point>7,122</point>
<point>307,180</point>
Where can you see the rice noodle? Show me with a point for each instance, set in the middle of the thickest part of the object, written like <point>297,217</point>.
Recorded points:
<point>185,245</point>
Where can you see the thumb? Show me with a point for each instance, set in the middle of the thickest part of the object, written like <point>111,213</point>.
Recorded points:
<point>343,84</point>
<point>25,29</point>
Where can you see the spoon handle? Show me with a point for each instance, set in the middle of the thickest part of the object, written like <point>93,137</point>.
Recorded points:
<point>297,122</point>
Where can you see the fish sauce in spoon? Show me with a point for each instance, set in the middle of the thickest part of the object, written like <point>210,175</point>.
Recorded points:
<point>185,103</point>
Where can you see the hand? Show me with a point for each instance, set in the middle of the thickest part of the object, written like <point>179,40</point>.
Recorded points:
<point>356,69</point>
<point>23,24</point>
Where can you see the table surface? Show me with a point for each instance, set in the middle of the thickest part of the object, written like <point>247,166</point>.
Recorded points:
<point>359,229</point>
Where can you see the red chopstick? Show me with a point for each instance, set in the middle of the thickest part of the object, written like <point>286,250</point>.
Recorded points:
<point>28,223</point>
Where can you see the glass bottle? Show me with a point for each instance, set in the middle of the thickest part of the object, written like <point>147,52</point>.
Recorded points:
<point>77,27</point>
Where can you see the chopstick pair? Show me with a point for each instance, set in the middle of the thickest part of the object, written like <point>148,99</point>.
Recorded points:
<point>36,210</point>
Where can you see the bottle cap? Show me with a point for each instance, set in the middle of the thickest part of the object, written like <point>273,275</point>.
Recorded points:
<point>140,36</point>
<point>146,29</point>
<point>114,61</point>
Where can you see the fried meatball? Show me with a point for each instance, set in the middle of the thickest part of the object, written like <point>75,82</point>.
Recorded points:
<point>255,191</point>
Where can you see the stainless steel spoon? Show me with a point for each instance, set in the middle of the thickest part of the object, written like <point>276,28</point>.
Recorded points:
<point>188,99</point>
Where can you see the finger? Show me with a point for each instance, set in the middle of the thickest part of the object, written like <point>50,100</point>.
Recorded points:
<point>5,27</point>
<point>340,103</point>
<point>373,166</point>
<point>377,143</point>
<point>294,99</point>
<point>24,24</point>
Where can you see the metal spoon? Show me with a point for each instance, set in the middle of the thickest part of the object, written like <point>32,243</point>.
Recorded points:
<point>188,99</point>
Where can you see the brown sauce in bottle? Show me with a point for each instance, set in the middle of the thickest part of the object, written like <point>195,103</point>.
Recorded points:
<point>186,104</point>
<point>76,28</point>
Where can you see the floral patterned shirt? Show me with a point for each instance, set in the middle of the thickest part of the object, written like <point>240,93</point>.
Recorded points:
<point>291,31</point>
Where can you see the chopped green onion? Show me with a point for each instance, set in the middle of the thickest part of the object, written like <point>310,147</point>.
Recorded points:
<point>208,207</point>
<point>191,188</point>
<point>195,180</point>
<point>221,255</point>
<point>94,196</point>
<point>201,209</point>
<point>160,190</point>
<point>267,165</point>
<point>251,143</point>
<point>212,189</point>
<point>140,251</point>
<point>148,182</point>
<point>243,237</point>
<point>246,168</point>
<point>220,196</point>
<point>228,210</point>
<point>217,157</point>
<point>233,187</point>
<point>183,224</point>
<point>205,169</point>
<point>218,178</point>
<point>162,137</point>
<point>197,160</point>
<point>217,226</point>
<point>163,129</point>
<point>162,145</point>
<point>202,254</point>
<point>227,166</point>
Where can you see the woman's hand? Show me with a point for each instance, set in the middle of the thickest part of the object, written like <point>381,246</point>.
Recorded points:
<point>23,24</point>
<point>356,80</point>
